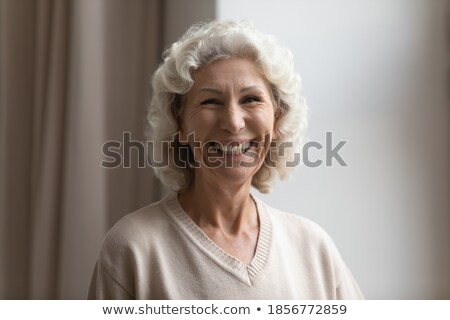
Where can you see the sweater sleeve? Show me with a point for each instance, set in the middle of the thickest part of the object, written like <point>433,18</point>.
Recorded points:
<point>347,288</point>
<point>114,274</point>
<point>104,287</point>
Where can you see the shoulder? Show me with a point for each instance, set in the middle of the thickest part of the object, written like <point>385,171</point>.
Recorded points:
<point>136,224</point>
<point>299,229</point>
<point>305,242</point>
<point>137,232</point>
<point>132,244</point>
<point>309,245</point>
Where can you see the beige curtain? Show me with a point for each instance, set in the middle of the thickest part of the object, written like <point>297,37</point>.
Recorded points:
<point>73,75</point>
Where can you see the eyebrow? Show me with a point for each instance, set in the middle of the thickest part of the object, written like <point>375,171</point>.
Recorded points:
<point>220,92</point>
<point>251,88</point>
<point>210,90</point>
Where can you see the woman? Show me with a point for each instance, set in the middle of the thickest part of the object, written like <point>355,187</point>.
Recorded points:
<point>226,97</point>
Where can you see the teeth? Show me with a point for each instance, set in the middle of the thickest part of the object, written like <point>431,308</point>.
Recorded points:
<point>228,149</point>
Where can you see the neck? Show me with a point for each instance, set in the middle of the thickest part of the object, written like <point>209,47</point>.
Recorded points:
<point>230,209</point>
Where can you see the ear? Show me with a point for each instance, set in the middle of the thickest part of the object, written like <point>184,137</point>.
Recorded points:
<point>177,113</point>
<point>275,123</point>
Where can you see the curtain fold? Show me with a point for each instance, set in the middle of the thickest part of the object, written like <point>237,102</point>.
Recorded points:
<point>50,92</point>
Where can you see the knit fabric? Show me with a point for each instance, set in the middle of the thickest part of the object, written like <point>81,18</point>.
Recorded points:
<point>158,252</point>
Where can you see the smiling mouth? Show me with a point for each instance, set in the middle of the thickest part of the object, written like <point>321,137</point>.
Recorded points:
<point>232,148</point>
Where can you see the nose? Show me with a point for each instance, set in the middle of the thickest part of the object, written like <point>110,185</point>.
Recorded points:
<point>232,118</point>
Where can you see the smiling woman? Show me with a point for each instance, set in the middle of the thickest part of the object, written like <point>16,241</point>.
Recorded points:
<point>233,91</point>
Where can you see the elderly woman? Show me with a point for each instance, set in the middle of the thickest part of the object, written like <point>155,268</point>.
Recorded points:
<point>226,97</point>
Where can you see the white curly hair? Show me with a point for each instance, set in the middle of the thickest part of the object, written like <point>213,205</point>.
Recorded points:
<point>202,44</point>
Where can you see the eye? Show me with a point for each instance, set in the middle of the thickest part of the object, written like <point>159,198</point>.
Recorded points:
<point>209,101</point>
<point>250,99</point>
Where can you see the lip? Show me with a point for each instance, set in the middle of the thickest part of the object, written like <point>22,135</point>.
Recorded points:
<point>232,143</point>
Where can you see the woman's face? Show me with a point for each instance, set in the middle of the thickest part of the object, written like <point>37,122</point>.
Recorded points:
<point>228,120</point>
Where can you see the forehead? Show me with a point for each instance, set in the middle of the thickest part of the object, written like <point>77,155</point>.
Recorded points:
<point>223,72</point>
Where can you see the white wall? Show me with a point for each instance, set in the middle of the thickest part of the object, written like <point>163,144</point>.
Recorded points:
<point>375,74</point>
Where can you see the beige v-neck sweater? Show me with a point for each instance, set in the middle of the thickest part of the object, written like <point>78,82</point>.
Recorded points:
<point>158,252</point>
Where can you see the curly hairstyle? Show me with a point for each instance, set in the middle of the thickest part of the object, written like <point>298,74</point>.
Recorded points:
<point>202,44</point>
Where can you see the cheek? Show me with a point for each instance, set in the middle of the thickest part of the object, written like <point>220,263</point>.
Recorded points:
<point>201,123</point>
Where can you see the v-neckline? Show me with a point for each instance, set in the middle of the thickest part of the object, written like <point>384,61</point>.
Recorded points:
<point>245,273</point>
